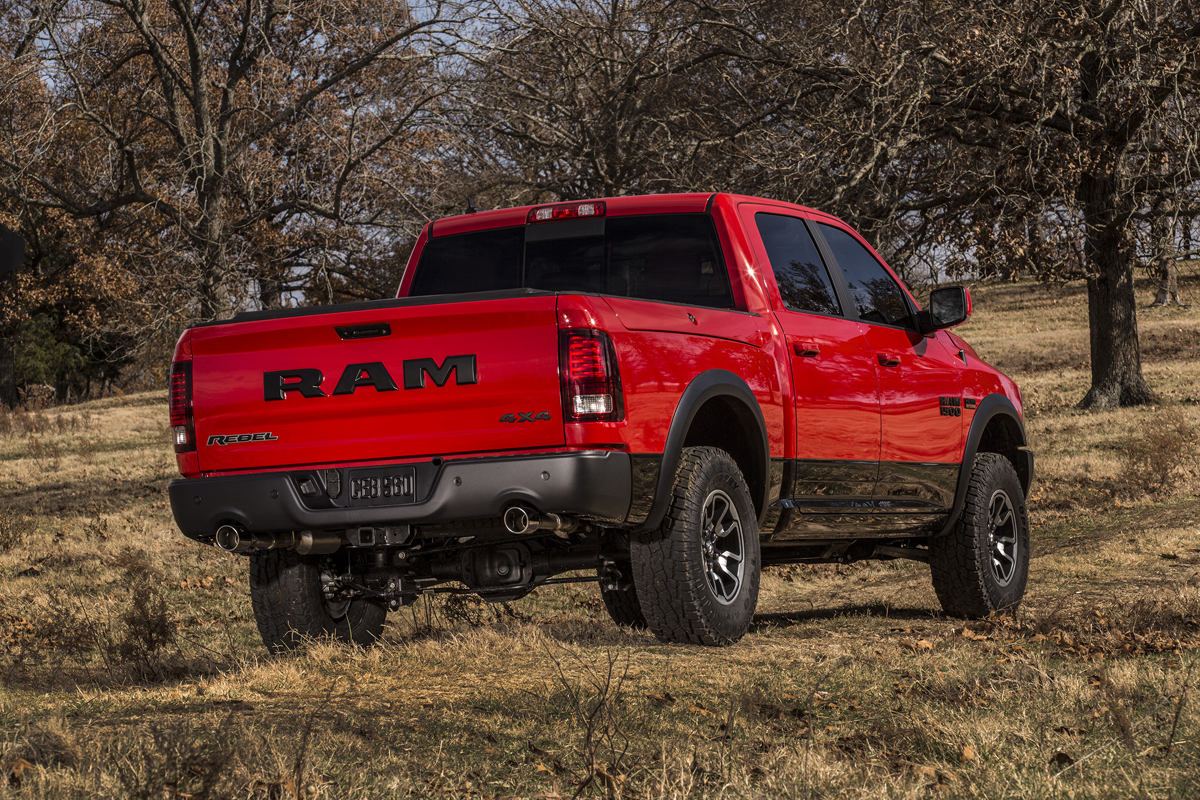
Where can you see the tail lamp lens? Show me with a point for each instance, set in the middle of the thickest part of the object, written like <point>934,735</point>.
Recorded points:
<point>591,381</point>
<point>183,432</point>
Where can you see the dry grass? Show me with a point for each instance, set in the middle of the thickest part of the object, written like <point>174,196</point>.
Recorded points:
<point>131,666</point>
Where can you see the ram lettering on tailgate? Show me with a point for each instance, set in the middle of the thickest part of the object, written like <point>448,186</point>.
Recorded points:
<point>307,382</point>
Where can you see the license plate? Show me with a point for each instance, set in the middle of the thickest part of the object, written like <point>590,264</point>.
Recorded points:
<point>383,486</point>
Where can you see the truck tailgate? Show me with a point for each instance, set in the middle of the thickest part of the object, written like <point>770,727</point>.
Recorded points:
<point>306,389</point>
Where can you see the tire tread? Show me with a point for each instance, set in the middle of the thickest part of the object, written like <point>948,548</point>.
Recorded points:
<point>959,564</point>
<point>666,574</point>
<point>289,609</point>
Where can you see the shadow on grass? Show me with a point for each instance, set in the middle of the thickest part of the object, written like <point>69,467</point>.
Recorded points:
<point>103,493</point>
<point>786,619</point>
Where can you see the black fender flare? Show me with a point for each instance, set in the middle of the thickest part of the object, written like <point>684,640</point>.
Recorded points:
<point>990,407</point>
<point>705,386</point>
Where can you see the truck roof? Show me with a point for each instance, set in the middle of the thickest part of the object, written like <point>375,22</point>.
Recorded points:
<point>693,202</point>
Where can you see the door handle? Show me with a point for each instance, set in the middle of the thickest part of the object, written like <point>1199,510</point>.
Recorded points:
<point>807,349</point>
<point>887,360</point>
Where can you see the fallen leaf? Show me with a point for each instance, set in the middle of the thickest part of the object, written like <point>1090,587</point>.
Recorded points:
<point>924,644</point>
<point>662,699</point>
<point>1067,731</point>
<point>275,790</point>
<point>968,753</point>
<point>923,771</point>
<point>14,770</point>
<point>555,765</point>
<point>1061,759</point>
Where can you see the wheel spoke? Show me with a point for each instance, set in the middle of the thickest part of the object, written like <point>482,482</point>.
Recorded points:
<point>723,547</point>
<point>1001,515</point>
<point>732,582</point>
<point>1002,537</point>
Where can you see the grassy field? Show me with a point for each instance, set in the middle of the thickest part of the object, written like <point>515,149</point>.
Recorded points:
<point>131,667</point>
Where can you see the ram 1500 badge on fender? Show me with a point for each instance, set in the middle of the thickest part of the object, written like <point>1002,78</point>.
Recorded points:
<point>670,392</point>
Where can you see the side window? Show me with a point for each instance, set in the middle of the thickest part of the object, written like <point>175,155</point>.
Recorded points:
<point>801,274</point>
<point>876,294</point>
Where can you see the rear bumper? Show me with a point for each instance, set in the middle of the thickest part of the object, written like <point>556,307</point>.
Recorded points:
<point>592,484</point>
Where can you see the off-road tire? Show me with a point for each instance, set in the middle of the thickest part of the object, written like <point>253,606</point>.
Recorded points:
<point>671,567</point>
<point>624,607</point>
<point>290,608</point>
<point>983,564</point>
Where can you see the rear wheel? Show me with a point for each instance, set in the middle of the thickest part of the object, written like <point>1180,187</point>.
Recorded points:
<point>697,575</point>
<point>290,606</point>
<point>983,564</point>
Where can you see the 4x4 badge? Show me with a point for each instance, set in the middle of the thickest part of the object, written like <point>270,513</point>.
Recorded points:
<point>521,416</point>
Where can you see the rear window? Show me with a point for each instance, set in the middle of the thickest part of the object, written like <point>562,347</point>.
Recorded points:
<point>674,258</point>
<point>471,262</point>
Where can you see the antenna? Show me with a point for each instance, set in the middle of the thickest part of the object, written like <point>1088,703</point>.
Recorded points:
<point>471,209</point>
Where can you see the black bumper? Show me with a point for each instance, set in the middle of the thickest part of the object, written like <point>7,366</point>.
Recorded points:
<point>592,484</point>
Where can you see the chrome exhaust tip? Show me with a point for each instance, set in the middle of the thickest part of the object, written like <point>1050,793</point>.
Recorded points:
<point>228,538</point>
<point>519,520</point>
<point>235,539</point>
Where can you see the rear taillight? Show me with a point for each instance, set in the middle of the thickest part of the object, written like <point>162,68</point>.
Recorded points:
<point>591,380</point>
<point>183,429</point>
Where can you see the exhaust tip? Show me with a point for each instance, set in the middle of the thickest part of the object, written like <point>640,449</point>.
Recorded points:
<point>520,520</point>
<point>228,538</point>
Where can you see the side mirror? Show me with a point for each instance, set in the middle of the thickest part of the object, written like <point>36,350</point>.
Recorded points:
<point>948,306</point>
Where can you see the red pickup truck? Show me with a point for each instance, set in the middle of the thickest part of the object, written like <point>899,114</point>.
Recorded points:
<point>667,392</point>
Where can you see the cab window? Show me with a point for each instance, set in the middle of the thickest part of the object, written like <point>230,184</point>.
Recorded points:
<point>877,297</point>
<point>803,279</point>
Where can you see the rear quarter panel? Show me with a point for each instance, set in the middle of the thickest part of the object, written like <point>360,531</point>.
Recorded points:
<point>660,350</point>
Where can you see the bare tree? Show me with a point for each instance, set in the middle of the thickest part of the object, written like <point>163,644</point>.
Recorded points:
<point>1032,136</point>
<point>236,147</point>
<point>1065,98</point>
<point>563,100</point>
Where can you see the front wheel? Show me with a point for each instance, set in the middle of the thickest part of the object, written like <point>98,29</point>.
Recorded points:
<point>290,606</point>
<point>983,564</point>
<point>697,575</point>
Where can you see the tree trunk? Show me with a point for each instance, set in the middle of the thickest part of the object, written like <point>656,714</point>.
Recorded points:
<point>8,372</point>
<point>216,300</point>
<point>270,293</point>
<point>1162,238</point>
<point>1112,307</point>
<point>1168,283</point>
